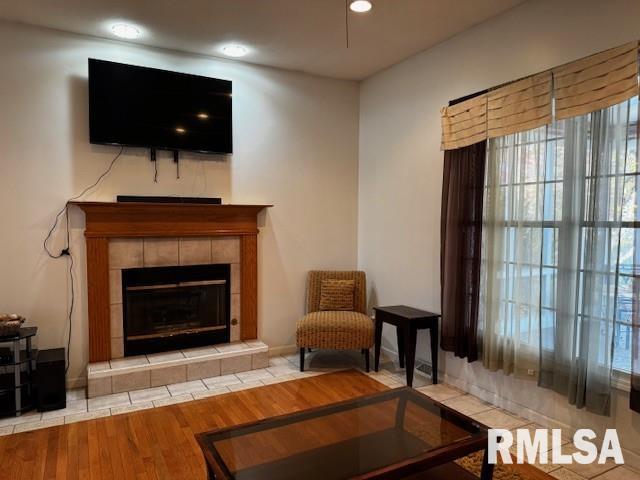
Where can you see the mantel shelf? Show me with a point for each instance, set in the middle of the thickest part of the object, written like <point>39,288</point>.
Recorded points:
<point>156,205</point>
<point>124,219</point>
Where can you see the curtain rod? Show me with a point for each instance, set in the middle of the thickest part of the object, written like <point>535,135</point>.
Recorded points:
<point>467,97</point>
<point>486,90</point>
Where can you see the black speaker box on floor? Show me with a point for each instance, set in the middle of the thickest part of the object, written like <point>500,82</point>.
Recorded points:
<point>50,380</point>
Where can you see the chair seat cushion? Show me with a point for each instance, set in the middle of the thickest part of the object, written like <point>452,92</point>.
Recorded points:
<point>335,329</point>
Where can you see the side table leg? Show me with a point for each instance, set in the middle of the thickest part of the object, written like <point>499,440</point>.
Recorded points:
<point>410,335</point>
<point>433,333</point>
<point>487,468</point>
<point>400,337</point>
<point>378,342</point>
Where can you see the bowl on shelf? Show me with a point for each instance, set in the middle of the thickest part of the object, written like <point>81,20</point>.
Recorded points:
<point>10,324</point>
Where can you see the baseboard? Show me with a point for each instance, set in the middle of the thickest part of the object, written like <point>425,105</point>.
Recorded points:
<point>392,353</point>
<point>77,382</point>
<point>282,350</point>
<point>506,404</point>
<point>394,356</point>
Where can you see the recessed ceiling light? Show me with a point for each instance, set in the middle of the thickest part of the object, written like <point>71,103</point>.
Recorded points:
<point>203,116</point>
<point>360,6</point>
<point>125,30</point>
<point>180,130</point>
<point>234,50</point>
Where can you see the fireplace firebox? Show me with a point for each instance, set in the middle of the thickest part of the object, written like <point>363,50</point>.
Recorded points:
<point>171,308</point>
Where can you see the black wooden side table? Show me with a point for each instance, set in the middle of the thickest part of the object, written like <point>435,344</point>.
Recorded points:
<point>408,321</point>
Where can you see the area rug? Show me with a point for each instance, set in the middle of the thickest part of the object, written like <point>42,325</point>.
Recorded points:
<point>473,464</point>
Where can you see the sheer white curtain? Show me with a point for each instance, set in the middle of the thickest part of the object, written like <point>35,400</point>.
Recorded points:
<point>595,157</point>
<point>559,252</point>
<point>511,260</point>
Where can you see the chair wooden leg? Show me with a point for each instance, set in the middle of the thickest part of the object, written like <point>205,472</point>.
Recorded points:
<point>366,359</point>
<point>302,359</point>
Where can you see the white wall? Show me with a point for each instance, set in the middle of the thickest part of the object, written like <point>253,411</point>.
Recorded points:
<point>401,165</point>
<point>295,144</point>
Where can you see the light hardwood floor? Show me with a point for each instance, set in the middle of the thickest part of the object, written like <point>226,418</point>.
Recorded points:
<point>159,443</point>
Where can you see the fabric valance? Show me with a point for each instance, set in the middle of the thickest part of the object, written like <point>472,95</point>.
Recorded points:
<point>522,105</point>
<point>576,88</point>
<point>596,82</point>
<point>464,123</point>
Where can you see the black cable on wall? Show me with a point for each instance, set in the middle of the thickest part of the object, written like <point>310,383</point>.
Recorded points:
<point>66,251</point>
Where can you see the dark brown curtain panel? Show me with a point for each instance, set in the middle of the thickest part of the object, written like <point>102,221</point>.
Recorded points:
<point>461,232</point>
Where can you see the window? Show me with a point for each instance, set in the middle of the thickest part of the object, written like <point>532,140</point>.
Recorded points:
<point>513,218</point>
<point>629,263</point>
<point>562,217</point>
<point>616,225</point>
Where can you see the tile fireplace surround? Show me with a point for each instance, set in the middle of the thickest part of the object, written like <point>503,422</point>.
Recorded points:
<point>134,235</point>
<point>169,252</point>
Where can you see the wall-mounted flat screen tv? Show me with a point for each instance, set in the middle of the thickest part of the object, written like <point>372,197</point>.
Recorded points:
<point>145,107</point>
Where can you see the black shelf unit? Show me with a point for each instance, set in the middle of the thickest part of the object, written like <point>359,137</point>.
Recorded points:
<point>17,373</point>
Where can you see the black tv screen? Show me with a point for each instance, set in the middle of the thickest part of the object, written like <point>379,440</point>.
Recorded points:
<point>146,107</point>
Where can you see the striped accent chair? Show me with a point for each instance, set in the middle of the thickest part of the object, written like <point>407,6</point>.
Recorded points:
<point>335,329</point>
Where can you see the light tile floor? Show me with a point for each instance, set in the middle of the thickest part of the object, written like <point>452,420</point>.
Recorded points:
<point>285,368</point>
<point>498,418</point>
<point>149,394</point>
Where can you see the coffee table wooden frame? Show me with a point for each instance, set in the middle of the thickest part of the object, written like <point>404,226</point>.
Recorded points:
<point>217,470</point>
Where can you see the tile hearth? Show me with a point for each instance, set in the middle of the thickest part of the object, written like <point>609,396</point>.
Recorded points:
<point>157,370</point>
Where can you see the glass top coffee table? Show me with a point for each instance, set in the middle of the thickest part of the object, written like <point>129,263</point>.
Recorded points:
<point>391,434</point>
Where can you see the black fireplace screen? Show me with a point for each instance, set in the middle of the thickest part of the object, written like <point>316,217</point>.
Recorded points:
<point>169,308</point>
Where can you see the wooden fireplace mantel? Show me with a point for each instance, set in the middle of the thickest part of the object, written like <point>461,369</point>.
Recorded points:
<point>105,220</point>
<point>113,219</point>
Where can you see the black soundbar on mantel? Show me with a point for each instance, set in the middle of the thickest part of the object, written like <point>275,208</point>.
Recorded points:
<point>160,199</point>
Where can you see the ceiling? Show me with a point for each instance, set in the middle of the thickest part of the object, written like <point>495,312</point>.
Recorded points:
<point>304,35</point>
